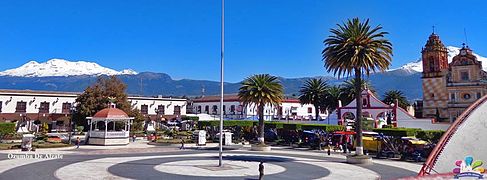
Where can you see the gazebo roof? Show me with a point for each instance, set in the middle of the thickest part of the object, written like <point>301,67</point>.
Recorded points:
<point>111,112</point>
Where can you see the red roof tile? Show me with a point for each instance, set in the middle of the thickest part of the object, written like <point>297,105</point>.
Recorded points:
<point>111,113</point>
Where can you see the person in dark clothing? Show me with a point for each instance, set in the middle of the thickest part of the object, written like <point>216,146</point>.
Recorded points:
<point>182,144</point>
<point>329,142</point>
<point>77,142</point>
<point>261,170</point>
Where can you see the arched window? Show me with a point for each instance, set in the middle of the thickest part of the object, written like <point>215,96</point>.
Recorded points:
<point>432,64</point>
<point>214,109</point>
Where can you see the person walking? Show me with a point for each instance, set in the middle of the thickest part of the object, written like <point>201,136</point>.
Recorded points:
<point>134,137</point>
<point>182,144</point>
<point>330,142</point>
<point>261,170</point>
<point>77,142</point>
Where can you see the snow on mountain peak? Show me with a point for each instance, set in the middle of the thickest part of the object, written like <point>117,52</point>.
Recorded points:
<point>61,67</point>
<point>417,66</point>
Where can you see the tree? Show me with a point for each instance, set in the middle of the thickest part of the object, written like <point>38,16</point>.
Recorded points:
<point>348,90</point>
<point>313,92</point>
<point>391,96</point>
<point>356,48</point>
<point>260,90</point>
<point>6,129</point>
<point>332,96</point>
<point>97,96</point>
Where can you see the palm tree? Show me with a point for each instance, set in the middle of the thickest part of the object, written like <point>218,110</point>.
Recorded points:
<point>261,90</point>
<point>391,96</point>
<point>313,92</point>
<point>332,96</point>
<point>356,48</point>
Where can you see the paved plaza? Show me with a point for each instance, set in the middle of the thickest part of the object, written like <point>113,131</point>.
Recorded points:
<point>141,161</point>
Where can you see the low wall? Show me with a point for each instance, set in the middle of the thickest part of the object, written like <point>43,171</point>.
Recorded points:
<point>108,142</point>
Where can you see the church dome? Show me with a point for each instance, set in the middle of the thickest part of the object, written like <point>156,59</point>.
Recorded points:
<point>111,112</point>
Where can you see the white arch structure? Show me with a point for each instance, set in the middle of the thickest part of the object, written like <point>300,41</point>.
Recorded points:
<point>465,137</point>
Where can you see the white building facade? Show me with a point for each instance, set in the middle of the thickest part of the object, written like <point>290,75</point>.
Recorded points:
<point>290,109</point>
<point>54,108</point>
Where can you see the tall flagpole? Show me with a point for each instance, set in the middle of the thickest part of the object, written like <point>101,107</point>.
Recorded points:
<point>221,83</point>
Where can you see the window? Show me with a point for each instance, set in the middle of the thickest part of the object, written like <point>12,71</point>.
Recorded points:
<point>144,109</point>
<point>224,110</point>
<point>232,109</point>
<point>207,109</point>
<point>214,109</point>
<point>240,109</point>
<point>177,110</point>
<point>466,96</point>
<point>199,109</point>
<point>479,95</point>
<point>279,111</point>
<point>66,108</point>
<point>432,95</point>
<point>44,108</point>
<point>21,107</point>
<point>432,65</point>
<point>1,103</point>
<point>452,95</point>
<point>364,102</point>
<point>310,110</point>
<point>160,110</point>
<point>464,76</point>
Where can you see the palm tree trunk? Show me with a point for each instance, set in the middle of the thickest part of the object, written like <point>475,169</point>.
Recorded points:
<point>261,124</point>
<point>358,115</point>
<point>317,112</point>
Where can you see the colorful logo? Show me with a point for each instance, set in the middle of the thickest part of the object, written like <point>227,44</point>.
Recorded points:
<point>469,168</point>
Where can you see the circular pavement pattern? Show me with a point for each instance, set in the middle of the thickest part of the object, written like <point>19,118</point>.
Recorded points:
<point>208,168</point>
<point>194,165</point>
<point>291,168</point>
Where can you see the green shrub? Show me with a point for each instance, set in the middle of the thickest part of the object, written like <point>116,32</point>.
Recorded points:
<point>193,118</point>
<point>292,126</point>
<point>226,123</point>
<point>325,127</point>
<point>430,135</point>
<point>6,129</point>
<point>367,125</point>
<point>50,145</point>
<point>397,132</point>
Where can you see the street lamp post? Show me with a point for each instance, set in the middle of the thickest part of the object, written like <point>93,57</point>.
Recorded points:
<point>221,82</point>
<point>72,110</point>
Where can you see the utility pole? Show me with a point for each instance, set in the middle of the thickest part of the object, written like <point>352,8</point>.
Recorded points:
<point>220,164</point>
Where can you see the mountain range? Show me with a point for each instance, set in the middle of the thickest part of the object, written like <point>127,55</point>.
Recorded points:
<point>64,75</point>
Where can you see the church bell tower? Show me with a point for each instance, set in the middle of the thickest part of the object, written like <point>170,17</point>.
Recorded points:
<point>435,69</point>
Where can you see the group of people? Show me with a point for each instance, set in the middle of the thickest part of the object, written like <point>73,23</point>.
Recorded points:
<point>340,143</point>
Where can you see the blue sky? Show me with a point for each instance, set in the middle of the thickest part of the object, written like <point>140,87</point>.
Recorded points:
<point>182,38</point>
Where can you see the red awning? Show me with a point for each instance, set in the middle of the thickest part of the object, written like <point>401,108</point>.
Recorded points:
<point>345,132</point>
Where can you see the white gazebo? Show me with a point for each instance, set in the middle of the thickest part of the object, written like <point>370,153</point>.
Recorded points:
<point>110,126</point>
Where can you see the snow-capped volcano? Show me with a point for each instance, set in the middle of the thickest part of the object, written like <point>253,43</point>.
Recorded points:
<point>417,66</point>
<point>61,67</point>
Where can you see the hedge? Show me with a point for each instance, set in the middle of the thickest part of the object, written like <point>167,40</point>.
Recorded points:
<point>274,125</point>
<point>430,135</point>
<point>292,126</point>
<point>226,123</point>
<point>6,129</point>
<point>397,132</point>
<point>193,118</point>
<point>325,127</point>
